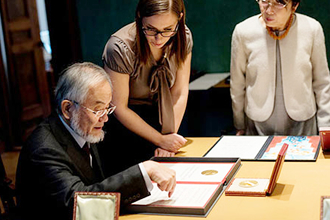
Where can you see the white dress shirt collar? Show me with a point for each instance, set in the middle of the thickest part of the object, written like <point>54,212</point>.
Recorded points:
<point>81,142</point>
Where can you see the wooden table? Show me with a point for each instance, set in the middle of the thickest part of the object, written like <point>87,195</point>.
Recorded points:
<point>297,195</point>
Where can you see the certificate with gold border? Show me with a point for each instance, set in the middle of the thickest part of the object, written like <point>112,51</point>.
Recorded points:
<point>200,182</point>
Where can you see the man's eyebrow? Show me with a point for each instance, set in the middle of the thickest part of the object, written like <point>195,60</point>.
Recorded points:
<point>101,102</point>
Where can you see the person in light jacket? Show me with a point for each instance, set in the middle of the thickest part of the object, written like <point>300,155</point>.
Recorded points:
<point>280,83</point>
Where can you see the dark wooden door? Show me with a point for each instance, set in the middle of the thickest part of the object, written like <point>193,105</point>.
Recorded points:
<point>6,137</point>
<point>28,87</point>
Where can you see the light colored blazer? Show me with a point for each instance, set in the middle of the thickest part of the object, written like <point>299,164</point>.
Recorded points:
<point>305,72</point>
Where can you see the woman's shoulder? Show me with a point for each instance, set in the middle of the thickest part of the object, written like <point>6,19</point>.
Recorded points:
<point>124,37</point>
<point>126,33</point>
<point>302,17</point>
<point>249,28</point>
<point>189,38</point>
<point>250,22</point>
<point>119,53</point>
<point>188,32</point>
<point>308,22</point>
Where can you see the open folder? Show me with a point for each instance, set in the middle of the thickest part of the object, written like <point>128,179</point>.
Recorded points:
<point>199,183</point>
<point>258,187</point>
<point>266,148</point>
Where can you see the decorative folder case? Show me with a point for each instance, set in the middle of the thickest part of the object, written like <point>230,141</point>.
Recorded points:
<point>96,206</point>
<point>266,148</point>
<point>325,138</point>
<point>255,186</point>
<point>325,208</point>
<point>200,182</point>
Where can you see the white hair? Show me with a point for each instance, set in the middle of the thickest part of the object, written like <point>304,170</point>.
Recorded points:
<point>76,80</point>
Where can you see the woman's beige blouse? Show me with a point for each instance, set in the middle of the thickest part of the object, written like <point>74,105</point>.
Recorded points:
<point>149,83</point>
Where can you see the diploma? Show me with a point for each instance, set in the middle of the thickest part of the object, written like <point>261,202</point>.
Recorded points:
<point>185,195</point>
<point>201,172</point>
<point>244,147</point>
<point>199,182</point>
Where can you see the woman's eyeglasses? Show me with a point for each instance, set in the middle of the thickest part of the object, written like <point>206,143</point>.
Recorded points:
<point>275,5</point>
<point>154,32</point>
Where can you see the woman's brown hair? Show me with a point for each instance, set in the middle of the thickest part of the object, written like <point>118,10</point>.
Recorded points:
<point>147,8</point>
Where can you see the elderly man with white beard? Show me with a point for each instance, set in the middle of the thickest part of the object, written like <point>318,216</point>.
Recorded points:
<point>61,156</point>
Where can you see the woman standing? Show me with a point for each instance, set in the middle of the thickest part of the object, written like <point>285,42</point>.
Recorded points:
<point>149,64</point>
<point>280,83</point>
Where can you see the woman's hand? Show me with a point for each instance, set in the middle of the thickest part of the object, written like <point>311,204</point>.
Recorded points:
<point>160,152</point>
<point>172,142</point>
<point>240,132</point>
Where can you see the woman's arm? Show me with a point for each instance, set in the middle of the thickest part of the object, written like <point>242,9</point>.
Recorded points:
<point>321,78</point>
<point>237,81</point>
<point>132,121</point>
<point>180,92</point>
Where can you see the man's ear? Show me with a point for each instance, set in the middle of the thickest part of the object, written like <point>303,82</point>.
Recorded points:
<point>66,106</point>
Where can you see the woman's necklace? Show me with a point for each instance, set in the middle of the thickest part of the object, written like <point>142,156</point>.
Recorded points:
<point>274,36</point>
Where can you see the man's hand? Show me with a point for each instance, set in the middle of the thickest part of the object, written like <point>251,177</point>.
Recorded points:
<point>163,176</point>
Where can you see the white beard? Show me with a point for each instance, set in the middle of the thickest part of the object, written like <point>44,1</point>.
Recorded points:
<point>74,123</point>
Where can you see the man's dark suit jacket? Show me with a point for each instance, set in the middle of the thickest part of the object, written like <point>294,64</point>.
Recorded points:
<point>52,168</point>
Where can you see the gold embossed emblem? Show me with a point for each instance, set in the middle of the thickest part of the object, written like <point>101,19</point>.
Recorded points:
<point>248,183</point>
<point>209,172</point>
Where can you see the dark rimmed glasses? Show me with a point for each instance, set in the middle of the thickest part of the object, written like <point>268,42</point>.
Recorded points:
<point>99,113</point>
<point>154,32</point>
<point>276,5</point>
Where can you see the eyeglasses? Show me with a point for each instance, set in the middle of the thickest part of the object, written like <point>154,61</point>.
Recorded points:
<point>154,32</point>
<point>99,113</point>
<point>275,5</point>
